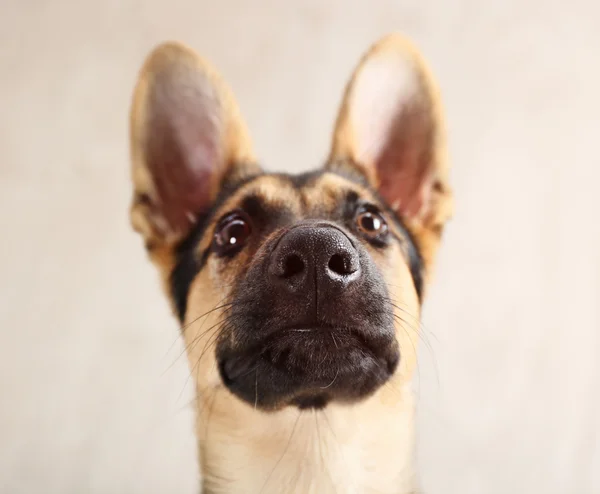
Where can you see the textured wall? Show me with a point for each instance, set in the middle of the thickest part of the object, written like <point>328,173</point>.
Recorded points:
<point>510,389</point>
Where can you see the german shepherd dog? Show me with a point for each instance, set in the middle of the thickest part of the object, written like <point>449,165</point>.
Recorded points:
<point>299,296</point>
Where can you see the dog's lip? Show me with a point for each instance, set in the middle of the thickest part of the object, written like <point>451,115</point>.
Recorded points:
<point>309,328</point>
<point>349,334</point>
<point>317,326</point>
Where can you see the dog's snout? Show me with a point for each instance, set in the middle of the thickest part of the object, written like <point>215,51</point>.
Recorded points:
<point>314,322</point>
<point>309,257</point>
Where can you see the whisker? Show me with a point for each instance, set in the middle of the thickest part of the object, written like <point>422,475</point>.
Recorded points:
<point>421,331</point>
<point>331,428</point>
<point>329,385</point>
<point>196,368</point>
<point>198,337</point>
<point>212,340</point>
<point>334,341</point>
<point>210,411</point>
<point>416,359</point>
<point>256,387</point>
<point>182,331</point>
<point>417,320</point>
<point>187,404</point>
<point>422,335</point>
<point>323,465</point>
<point>186,326</point>
<point>282,454</point>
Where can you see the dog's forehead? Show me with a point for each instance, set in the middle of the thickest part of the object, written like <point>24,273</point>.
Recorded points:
<point>309,194</point>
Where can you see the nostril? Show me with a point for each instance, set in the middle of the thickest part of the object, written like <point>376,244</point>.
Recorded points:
<point>339,265</point>
<point>293,265</point>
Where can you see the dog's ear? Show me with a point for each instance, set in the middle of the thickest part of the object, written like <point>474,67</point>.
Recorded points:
<point>187,140</point>
<point>390,129</point>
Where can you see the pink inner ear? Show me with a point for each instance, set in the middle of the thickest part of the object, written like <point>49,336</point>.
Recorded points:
<point>404,168</point>
<point>393,126</point>
<point>183,145</point>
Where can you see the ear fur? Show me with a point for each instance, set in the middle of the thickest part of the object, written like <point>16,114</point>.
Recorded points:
<point>391,130</point>
<point>187,138</point>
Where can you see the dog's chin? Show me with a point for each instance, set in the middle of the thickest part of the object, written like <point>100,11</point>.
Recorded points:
<point>308,368</point>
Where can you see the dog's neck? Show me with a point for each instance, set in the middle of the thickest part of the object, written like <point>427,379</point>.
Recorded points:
<point>358,449</point>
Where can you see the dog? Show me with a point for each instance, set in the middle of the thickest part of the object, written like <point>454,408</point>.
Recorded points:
<point>299,296</point>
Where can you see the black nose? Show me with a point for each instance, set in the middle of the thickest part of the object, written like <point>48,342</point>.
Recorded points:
<point>314,257</point>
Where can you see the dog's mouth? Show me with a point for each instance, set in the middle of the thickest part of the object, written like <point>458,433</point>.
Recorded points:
<point>310,366</point>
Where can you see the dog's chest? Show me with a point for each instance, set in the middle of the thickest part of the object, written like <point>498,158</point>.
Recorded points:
<point>350,451</point>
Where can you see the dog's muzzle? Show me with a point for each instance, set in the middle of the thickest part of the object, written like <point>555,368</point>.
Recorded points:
<point>311,322</point>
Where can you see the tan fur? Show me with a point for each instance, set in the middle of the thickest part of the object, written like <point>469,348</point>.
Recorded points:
<point>363,448</point>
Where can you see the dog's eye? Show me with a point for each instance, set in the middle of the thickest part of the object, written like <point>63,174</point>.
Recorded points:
<point>231,233</point>
<point>371,223</point>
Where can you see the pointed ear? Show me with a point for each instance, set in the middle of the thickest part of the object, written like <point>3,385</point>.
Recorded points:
<point>390,130</point>
<point>187,140</point>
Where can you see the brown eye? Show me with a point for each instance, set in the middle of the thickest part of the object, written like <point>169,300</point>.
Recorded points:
<point>371,223</point>
<point>232,233</point>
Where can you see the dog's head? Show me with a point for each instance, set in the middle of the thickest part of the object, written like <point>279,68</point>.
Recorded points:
<point>292,290</point>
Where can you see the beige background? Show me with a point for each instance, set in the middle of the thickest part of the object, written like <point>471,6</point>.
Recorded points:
<point>509,392</point>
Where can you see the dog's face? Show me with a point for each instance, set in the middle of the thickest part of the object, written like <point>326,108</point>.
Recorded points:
<point>301,261</point>
<point>292,290</point>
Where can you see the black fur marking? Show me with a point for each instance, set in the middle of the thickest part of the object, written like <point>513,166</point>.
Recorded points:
<point>187,263</point>
<point>415,261</point>
<point>256,208</point>
<point>308,178</point>
<point>187,266</point>
<point>304,179</point>
<point>265,217</point>
<point>349,171</point>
